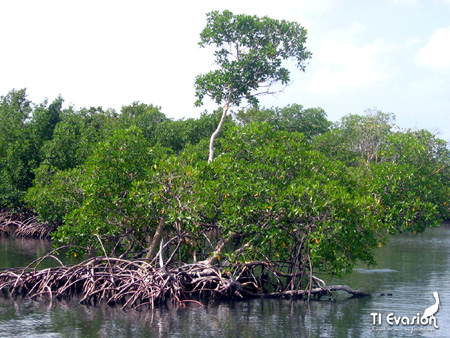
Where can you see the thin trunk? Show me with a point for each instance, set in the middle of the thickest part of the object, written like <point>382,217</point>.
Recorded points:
<point>156,238</point>
<point>219,127</point>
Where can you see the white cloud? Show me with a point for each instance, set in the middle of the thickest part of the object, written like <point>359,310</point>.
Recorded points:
<point>407,2</point>
<point>411,42</point>
<point>345,64</point>
<point>436,53</point>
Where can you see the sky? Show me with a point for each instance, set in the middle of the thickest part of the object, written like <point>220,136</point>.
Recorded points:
<point>390,55</point>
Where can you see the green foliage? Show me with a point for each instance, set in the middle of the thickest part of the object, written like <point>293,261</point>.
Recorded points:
<point>147,117</point>
<point>109,181</point>
<point>292,118</point>
<point>66,149</point>
<point>17,153</point>
<point>44,119</point>
<point>165,132</point>
<point>357,138</point>
<point>249,54</point>
<point>285,189</point>
<point>76,136</point>
<point>176,135</point>
<point>404,171</point>
<point>15,109</point>
<point>10,196</point>
<point>55,194</point>
<point>280,200</point>
<point>31,134</point>
<point>410,181</point>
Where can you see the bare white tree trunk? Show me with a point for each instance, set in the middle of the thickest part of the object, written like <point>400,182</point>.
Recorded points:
<point>219,127</point>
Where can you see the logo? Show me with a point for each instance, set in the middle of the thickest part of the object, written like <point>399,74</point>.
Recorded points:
<point>420,322</point>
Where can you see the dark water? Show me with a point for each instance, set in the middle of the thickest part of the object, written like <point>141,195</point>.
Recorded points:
<point>411,267</point>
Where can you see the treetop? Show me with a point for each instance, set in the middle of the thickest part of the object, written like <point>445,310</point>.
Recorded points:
<point>250,51</point>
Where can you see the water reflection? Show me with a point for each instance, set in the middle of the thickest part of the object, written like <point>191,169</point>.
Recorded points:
<point>411,267</point>
<point>257,318</point>
<point>20,252</point>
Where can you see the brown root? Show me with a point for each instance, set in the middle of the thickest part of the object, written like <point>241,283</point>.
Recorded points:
<point>23,226</point>
<point>137,284</point>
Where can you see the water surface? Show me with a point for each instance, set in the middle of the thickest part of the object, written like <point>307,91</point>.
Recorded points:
<point>410,268</point>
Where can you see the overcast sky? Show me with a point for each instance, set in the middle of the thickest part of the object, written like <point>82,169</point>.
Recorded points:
<point>393,55</point>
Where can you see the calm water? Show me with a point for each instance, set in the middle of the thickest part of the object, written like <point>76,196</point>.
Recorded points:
<point>410,267</point>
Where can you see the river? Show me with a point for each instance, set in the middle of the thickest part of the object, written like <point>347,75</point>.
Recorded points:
<point>411,267</point>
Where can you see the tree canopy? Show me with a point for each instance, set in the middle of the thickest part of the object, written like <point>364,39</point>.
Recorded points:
<point>287,187</point>
<point>249,55</point>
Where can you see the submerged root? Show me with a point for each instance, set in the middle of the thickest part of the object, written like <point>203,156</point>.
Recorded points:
<point>137,284</point>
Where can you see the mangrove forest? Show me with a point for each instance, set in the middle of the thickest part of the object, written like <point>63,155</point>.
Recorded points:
<point>238,203</point>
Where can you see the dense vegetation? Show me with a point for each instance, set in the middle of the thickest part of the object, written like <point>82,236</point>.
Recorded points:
<point>288,192</point>
<point>287,185</point>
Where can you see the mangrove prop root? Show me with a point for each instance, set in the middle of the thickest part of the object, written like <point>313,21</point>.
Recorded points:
<point>23,226</point>
<point>137,284</point>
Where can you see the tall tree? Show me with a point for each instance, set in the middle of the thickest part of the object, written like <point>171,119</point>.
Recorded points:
<point>249,56</point>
